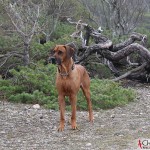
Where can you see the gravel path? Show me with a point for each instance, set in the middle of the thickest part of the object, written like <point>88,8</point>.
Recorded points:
<point>24,128</point>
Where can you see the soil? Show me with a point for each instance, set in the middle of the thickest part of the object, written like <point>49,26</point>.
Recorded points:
<point>23,127</point>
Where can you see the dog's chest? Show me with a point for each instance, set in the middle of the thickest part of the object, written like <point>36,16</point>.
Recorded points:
<point>68,86</point>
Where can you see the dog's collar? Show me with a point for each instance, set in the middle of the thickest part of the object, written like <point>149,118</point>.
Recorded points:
<point>67,73</point>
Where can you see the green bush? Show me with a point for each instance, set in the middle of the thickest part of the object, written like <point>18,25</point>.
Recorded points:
<point>100,71</point>
<point>63,30</point>
<point>36,84</point>
<point>7,42</point>
<point>106,94</point>
<point>41,51</point>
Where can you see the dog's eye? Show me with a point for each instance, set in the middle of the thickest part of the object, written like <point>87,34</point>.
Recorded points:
<point>51,52</point>
<point>60,53</point>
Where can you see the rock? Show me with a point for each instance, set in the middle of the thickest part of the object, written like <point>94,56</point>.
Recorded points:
<point>95,115</point>
<point>102,126</point>
<point>36,106</point>
<point>88,144</point>
<point>41,117</point>
<point>112,116</point>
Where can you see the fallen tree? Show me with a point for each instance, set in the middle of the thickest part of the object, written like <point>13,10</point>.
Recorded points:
<point>113,53</point>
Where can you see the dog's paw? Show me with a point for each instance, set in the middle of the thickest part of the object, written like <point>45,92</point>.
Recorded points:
<point>91,119</point>
<point>60,128</point>
<point>74,126</point>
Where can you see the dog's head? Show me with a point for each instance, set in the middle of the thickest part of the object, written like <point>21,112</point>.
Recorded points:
<point>62,53</point>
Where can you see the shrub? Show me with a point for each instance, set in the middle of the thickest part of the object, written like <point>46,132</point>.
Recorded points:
<point>100,71</point>
<point>106,94</point>
<point>41,51</point>
<point>36,84</point>
<point>63,30</point>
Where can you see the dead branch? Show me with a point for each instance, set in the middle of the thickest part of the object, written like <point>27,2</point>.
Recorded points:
<point>130,72</point>
<point>130,63</point>
<point>114,53</point>
<point>4,58</point>
<point>75,23</point>
<point>133,37</point>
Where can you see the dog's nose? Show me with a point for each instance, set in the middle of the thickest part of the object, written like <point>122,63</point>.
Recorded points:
<point>52,60</point>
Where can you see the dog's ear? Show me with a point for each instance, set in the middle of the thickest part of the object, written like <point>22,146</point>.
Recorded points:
<point>69,51</point>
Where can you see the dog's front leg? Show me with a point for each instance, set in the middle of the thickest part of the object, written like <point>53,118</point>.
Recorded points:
<point>73,100</point>
<point>61,100</point>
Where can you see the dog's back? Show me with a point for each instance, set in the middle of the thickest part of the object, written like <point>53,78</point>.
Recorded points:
<point>85,79</point>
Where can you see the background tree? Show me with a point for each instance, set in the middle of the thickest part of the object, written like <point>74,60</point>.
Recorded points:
<point>30,18</point>
<point>50,13</point>
<point>24,17</point>
<point>119,16</point>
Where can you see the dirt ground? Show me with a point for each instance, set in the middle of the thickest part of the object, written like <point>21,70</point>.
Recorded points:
<point>24,128</point>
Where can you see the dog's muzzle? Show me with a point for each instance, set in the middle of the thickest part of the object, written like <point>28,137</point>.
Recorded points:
<point>58,61</point>
<point>54,60</point>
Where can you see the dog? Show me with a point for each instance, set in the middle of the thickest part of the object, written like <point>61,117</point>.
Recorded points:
<point>69,79</point>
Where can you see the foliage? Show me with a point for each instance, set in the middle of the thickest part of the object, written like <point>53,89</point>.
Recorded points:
<point>62,30</point>
<point>98,70</point>
<point>41,51</point>
<point>7,43</point>
<point>36,84</point>
<point>108,94</point>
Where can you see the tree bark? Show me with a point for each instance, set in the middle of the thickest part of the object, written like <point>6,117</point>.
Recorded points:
<point>26,57</point>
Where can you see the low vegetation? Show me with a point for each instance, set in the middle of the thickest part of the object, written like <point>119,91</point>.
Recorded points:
<point>36,84</point>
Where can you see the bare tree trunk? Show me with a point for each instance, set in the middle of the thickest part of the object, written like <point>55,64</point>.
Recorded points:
<point>26,57</point>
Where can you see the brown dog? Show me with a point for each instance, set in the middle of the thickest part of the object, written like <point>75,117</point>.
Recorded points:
<point>69,79</point>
